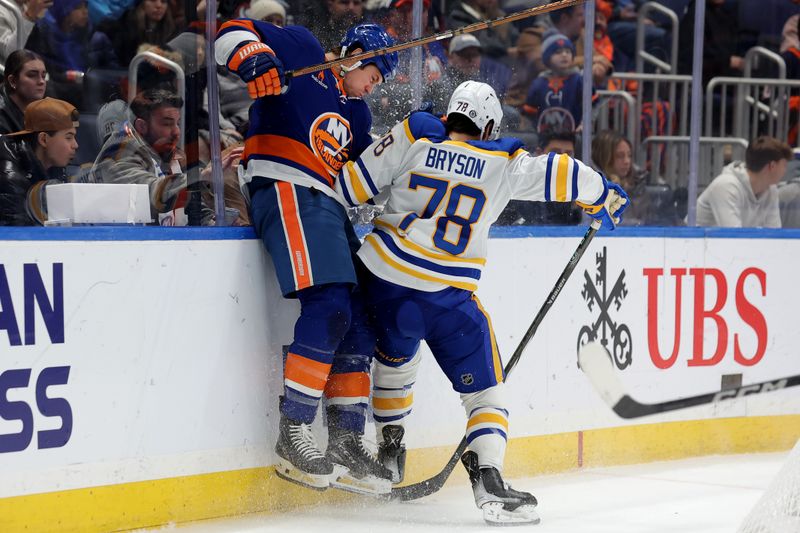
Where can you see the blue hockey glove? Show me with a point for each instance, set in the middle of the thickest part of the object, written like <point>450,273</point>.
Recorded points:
<point>609,206</point>
<point>257,65</point>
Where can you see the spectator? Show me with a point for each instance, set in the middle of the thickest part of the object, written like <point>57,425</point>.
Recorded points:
<point>145,150</point>
<point>100,10</point>
<point>745,194</point>
<point>520,212</point>
<point>24,82</point>
<point>10,34</point>
<point>559,88</point>
<point>789,34</point>
<point>526,64</point>
<point>64,39</point>
<point>467,62</point>
<point>568,21</point>
<point>720,41</point>
<point>328,20</point>
<point>494,43</point>
<point>33,158</point>
<point>622,31</point>
<point>390,102</point>
<point>148,21</point>
<point>613,156</point>
<point>268,11</point>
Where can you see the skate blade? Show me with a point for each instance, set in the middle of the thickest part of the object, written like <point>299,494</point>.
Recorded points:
<point>367,485</point>
<point>496,515</point>
<point>289,472</point>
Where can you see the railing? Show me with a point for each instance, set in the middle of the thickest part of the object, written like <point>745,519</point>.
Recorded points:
<point>753,57</point>
<point>643,56</point>
<point>760,107</point>
<point>13,7</point>
<point>615,110</point>
<point>649,88</point>
<point>669,158</point>
<point>171,65</point>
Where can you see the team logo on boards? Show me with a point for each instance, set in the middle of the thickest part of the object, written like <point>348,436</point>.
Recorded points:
<point>330,138</point>
<point>596,292</point>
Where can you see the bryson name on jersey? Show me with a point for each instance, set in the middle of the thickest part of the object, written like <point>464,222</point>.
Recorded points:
<point>468,166</point>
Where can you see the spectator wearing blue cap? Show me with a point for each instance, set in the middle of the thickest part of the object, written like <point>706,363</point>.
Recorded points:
<point>559,88</point>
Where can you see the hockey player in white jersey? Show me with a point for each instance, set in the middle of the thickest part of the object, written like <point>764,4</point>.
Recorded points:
<point>444,184</point>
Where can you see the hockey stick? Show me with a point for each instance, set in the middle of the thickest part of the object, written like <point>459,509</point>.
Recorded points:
<point>429,486</point>
<point>595,361</point>
<point>437,37</point>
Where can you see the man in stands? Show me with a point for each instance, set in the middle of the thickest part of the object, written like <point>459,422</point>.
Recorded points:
<point>745,194</point>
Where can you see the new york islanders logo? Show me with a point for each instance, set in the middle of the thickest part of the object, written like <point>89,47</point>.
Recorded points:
<point>330,138</point>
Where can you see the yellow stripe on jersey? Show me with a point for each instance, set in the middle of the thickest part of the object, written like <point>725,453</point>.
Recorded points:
<point>561,178</point>
<point>373,240</point>
<point>407,127</point>
<point>388,404</point>
<point>419,249</point>
<point>498,365</point>
<point>358,189</point>
<point>468,146</point>
<point>488,418</point>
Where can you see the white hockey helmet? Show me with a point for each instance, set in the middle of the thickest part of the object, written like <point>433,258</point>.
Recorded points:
<point>478,102</point>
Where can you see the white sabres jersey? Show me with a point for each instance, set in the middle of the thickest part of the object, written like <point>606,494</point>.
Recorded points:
<point>442,196</point>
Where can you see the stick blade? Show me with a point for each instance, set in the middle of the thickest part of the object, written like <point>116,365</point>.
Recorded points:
<point>595,361</point>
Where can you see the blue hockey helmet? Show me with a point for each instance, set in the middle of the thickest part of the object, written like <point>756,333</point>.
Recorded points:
<point>369,37</point>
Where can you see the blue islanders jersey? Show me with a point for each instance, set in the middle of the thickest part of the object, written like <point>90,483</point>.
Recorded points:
<point>307,134</point>
<point>549,90</point>
<point>442,196</point>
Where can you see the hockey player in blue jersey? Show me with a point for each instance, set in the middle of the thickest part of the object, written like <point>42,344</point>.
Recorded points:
<point>445,184</point>
<point>301,134</point>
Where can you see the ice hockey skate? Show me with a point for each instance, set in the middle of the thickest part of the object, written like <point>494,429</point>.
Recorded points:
<point>392,451</point>
<point>501,505</point>
<point>299,458</point>
<point>355,469</point>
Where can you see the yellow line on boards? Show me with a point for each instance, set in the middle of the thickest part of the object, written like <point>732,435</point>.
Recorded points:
<point>183,499</point>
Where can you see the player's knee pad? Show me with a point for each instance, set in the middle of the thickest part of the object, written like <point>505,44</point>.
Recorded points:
<point>324,316</point>
<point>487,424</point>
<point>392,391</point>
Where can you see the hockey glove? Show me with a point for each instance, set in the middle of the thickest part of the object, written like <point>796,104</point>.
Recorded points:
<point>258,67</point>
<point>609,206</point>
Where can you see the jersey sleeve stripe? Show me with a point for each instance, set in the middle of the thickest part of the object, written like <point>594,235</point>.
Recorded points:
<point>358,189</point>
<point>574,180</point>
<point>548,176</point>
<point>496,362</point>
<point>367,178</point>
<point>345,191</point>
<point>373,241</point>
<point>420,250</point>
<point>561,178</point>
<point>473,273</point>
<point>407,128</point>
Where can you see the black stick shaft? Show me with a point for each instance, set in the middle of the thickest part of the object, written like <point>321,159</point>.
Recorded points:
<point>431,485</point>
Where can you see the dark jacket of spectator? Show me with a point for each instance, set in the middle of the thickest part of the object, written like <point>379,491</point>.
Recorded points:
<point>11,116</point>
<point>720,41</point>
<point>464,14</point>
<point>20,205</point>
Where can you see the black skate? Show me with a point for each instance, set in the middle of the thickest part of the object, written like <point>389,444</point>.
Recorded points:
<point>299,458</point>
<point>501,505</point>
<point>392,451</point>
<point>355,469</point>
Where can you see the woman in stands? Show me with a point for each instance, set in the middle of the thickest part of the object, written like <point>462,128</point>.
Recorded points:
<point>24,81</point>
<point>148,21</point>
<point>613,156</point>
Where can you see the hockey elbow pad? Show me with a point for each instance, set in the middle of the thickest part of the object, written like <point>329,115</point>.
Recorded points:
<point>609,206</point>
<point>257,66</point>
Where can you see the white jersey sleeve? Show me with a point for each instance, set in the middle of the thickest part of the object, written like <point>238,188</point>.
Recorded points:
<point>553,178</point>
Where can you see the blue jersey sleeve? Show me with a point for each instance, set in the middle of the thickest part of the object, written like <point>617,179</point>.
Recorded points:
<point>424,125</point>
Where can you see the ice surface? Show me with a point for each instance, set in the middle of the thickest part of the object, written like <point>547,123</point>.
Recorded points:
<point>703,495</point>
